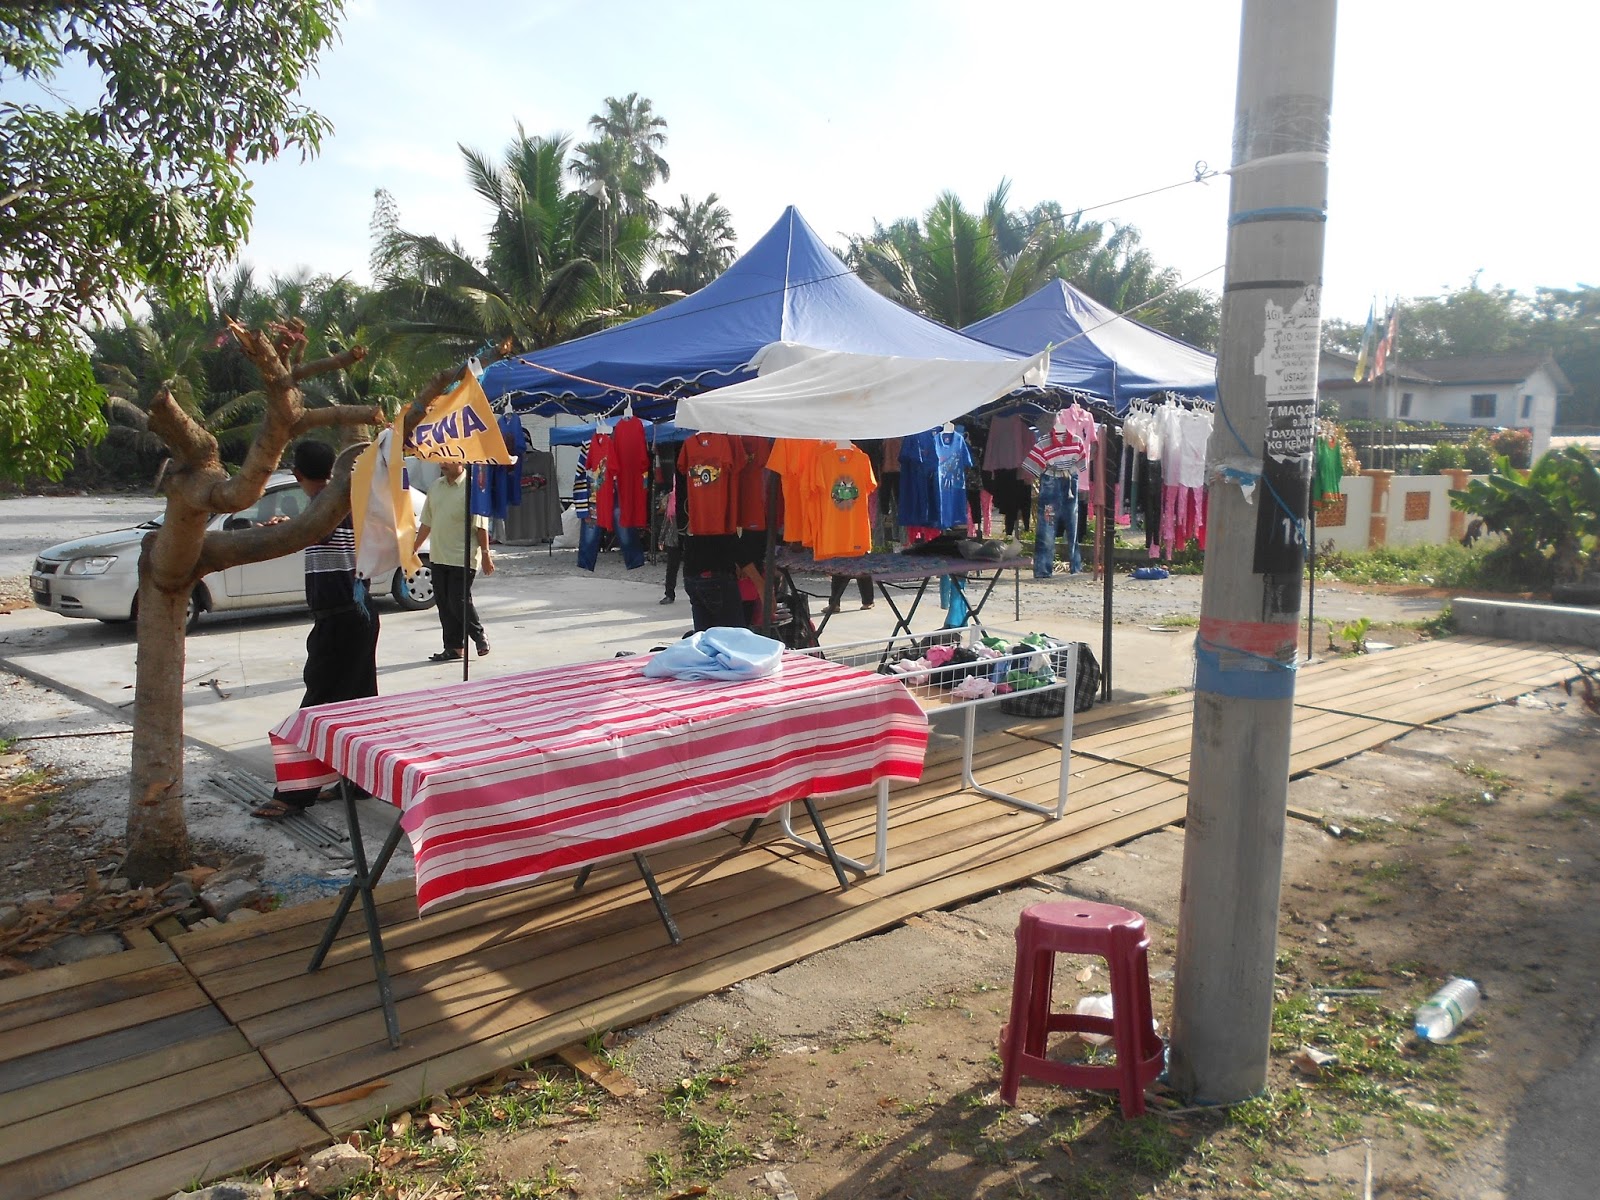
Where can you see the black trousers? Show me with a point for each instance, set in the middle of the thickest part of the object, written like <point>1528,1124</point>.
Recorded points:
<point>674,562</point>
<point>838,583</point>
<point>341,664</point>
<point>452,589</point>
<point>714,601</point>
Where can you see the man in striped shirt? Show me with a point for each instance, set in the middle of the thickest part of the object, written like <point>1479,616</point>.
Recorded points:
<point>342,647</point>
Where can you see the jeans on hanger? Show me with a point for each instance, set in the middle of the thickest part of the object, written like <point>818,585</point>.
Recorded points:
<point>589,534</point>
<point>1058,517</point>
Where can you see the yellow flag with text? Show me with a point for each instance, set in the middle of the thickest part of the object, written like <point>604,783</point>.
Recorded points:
<point>460,426</point>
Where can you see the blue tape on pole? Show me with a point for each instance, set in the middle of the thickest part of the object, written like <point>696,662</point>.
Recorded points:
<point>1248,677</point>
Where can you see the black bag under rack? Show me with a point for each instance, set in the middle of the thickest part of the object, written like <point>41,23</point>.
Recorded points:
<point>1085,690</point>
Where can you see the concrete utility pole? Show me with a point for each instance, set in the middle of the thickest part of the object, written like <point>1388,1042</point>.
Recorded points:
<point>1255,552</point>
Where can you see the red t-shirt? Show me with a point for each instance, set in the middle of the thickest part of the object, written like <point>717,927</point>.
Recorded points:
<point>753,481</point>
<point>709,461</point>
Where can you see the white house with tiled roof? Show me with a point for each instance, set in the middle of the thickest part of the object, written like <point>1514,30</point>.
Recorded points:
<point>1513,391</point>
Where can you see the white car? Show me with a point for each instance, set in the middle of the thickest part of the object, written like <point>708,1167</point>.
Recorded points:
<point>99,576</point>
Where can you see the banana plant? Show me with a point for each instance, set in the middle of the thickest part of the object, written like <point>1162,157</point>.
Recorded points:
<point>1551,512</point>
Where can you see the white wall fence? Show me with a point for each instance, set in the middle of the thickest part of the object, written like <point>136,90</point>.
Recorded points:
<point>1378,508</point>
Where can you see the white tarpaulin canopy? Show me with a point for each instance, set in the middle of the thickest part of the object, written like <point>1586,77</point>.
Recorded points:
<point>803,392</point>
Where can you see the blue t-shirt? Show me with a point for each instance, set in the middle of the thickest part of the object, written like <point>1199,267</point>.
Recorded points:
<point>953,459</point>
<point>919,480</point>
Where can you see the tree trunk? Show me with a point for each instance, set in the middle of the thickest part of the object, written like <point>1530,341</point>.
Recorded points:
<point>158,835</point>
<point>177,556</point>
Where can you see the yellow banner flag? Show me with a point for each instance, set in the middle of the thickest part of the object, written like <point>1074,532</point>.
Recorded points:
<point>460,426</point>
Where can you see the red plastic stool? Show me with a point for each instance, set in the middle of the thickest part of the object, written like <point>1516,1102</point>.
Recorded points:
<point>1079,927</point>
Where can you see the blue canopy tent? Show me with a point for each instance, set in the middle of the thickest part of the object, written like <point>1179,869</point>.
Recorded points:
<point>1094,350</point>
<point>787,287</point>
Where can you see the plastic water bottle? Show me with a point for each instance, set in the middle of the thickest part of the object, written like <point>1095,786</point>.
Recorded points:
<point>1447,1010</point>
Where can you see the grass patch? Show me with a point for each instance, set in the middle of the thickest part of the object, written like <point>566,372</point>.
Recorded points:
<point>1178,620</point>
<point>1496,783</point>
<point>1380,1070</point>
<point>1441,624</point>
<point>1454,809</point>
<point>28,794</point>
<point>531,1100</point>
<point>1445,566</point>
<point>1574,803</point>
<point>1147,1144</point>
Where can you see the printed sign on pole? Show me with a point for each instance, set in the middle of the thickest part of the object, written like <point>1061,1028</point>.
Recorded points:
<point>460,426</point>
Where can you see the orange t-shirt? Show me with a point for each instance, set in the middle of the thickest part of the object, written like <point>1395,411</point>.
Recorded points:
<point>842,481</point>
<point>791,458</point>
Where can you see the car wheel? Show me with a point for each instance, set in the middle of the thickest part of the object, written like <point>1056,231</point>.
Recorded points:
<point>413,592</point>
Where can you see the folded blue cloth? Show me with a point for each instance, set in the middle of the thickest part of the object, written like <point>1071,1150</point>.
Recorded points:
<point>720,653</point>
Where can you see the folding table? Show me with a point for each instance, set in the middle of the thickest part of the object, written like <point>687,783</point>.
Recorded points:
<point>504,781</point>
<point>892,573</point>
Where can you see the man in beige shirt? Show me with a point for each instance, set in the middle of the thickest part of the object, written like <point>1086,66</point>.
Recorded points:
<point>444,517</point>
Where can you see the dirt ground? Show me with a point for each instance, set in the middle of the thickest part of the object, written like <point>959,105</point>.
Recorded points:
<point>1469,848</point>
<point>1472,848</point>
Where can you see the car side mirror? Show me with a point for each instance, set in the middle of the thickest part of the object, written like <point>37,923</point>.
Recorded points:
<point>237,523</point>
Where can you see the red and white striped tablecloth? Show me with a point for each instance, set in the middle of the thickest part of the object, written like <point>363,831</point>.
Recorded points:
<point>503,780</point>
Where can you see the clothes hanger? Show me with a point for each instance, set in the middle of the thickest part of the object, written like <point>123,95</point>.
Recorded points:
<point>949,428</point>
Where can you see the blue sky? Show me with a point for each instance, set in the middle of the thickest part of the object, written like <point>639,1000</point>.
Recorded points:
<point>1460,136</point>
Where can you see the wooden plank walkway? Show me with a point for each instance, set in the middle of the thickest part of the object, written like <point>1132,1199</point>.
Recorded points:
<point>119,1077</point>
<point>138,1074</point>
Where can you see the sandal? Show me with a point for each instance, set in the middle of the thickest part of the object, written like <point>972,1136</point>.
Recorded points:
<point>445,656</point>
<point>277,810</point>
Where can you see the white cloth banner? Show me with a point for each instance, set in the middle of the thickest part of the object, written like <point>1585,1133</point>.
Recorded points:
<point>801,392</point>
<point>380,505</point>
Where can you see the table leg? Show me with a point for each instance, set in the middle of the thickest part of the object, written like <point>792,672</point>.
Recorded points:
<point>1016,597</point>
<point>968,736</point>
<point>583,878</point>
<point>827,843</point>
<point>975,611</point>
<point>1067,710</point>
<point>878,864</point>
<point>655,894</point>
<point>751,831</point>
<point>364,881</point>
<point>902,621</point>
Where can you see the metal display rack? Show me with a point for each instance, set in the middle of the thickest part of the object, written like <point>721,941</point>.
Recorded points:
<point>936,689</point>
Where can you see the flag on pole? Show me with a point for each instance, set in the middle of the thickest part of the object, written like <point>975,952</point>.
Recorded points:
<point>460,425</point>
<point>1386,346</point>
<point>1364,355</point>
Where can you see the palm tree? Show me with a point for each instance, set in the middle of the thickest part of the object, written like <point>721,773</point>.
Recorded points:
<point>632,121</point>
<point>551,271</point>
<point>1122,275</point>
<point>700,243</point>
<point>189,352</point>
<point>958,267</point>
